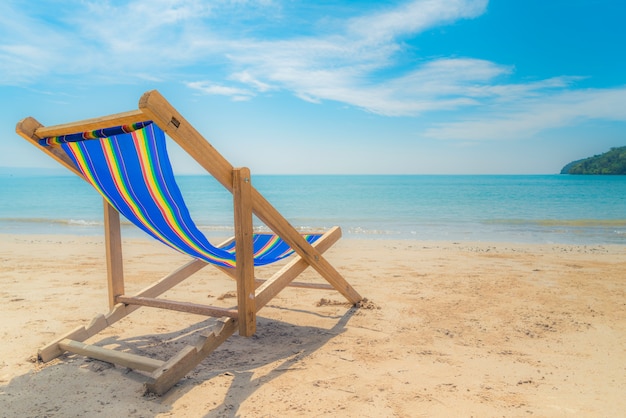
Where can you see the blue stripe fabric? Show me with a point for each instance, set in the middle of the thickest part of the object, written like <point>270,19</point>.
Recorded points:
<point>133,172</point>
<point>279,248</point>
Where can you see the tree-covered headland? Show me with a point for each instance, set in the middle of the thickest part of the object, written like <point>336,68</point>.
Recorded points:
<point>611,162</point>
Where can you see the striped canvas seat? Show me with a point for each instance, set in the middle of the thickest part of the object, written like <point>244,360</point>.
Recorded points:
<point>130,167</point>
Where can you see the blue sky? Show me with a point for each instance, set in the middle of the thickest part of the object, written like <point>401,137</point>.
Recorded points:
<point>356,87</point>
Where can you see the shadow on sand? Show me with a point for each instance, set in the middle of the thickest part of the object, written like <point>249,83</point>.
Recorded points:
<point>98,389</point>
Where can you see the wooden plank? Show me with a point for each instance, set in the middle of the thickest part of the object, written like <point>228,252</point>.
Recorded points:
<point>53,350</point>
<point>268,290</point>
<point>157,109</point>
<point>224,328</point>
<point>244,269</point>
<point>27,127</point>
<point>121,358</point>
<point>86,125</point>
<point>188,358</point>
<point>99,322</point>
<point>173,370</point>
<point>301,285</point>
<point>118,312</point>
<point>114,259</point>
<point>172,305</point>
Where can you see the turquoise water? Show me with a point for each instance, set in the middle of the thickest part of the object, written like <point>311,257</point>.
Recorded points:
<point>534,209</point>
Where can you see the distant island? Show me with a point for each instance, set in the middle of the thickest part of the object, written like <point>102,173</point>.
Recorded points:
<point>611,162</point>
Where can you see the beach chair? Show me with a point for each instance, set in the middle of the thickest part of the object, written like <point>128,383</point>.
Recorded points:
<point>124,157</point>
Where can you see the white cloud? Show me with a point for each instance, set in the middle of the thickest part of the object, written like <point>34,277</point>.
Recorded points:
<point>413,17</point>
<point>28,47</point>
<point>158,36</point>
<point>533,115</point>
<point>246,78</point>
<point>209,88</point>
<point>347,62</point>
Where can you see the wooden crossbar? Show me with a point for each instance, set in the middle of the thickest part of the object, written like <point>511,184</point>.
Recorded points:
<point>129,360</point>
<point>302,285</point>
<point>118,119</point>
<point>27,127</point>
<point>172,305</point>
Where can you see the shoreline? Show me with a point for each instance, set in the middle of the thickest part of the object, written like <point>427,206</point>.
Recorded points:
<point>95,230</point>
<point>454,328</point>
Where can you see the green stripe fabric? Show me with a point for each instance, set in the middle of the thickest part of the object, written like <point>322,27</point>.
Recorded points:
<point>131,169</point>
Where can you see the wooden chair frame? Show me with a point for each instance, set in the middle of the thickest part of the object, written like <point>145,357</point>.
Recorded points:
<point>252,293</point>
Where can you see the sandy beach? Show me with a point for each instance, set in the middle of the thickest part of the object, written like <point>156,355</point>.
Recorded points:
<point>449,329</point>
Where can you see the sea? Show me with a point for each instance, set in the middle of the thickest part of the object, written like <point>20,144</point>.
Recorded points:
<point>564,209</point>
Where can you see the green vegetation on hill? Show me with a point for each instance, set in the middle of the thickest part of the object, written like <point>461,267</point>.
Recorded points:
<point>611,162</point>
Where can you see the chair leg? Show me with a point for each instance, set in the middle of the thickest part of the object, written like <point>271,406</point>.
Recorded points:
<point>113,241</point>
<point>244,270</point>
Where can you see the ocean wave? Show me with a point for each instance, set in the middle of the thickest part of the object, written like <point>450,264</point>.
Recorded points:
<point>216,228</point>
<point>582,223</point>
<point>80,222</point>
<point>73,222</point>
<point>517,230</point>
<point>366,231</point>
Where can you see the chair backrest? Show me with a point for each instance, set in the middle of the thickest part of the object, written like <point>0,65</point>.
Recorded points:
<point>130,167</point>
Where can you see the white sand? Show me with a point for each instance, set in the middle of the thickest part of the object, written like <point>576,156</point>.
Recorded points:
<point>453,329</point>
